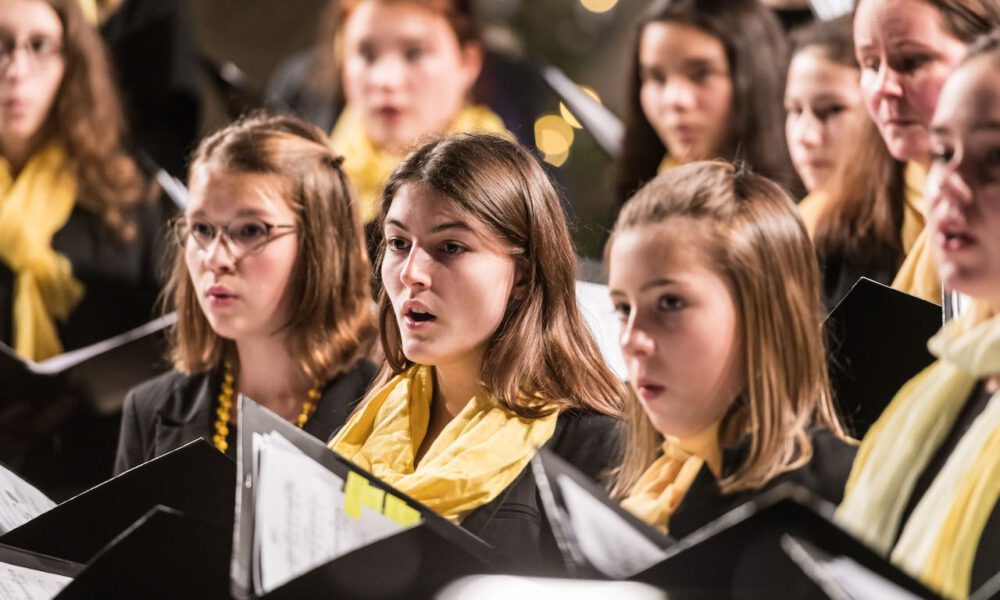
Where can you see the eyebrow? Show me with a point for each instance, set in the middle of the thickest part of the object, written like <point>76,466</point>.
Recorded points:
<point>446,226</point>
<point>662,282</point>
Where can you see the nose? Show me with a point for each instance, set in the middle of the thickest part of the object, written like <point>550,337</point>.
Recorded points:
<point>219,256</point>
<point>678,94</point>
<point>887,83</point>
<point>387,71</point>
<point>17,64</point>
<point>947,190</point>
<point>634,341</point>
<point>809,130</point>
<point>415,272</point>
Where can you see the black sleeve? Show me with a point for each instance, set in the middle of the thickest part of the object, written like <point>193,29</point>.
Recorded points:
<point>131,439</point>
<point>590,442</point>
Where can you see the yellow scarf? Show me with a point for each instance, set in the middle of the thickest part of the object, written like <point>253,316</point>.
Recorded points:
<point>33,207</point>
<point>659,491</point>
<point>668,162</point>
<point>368,167</point>
<point>477,455</point>
<point>939,541</point>
<point>918,275</point>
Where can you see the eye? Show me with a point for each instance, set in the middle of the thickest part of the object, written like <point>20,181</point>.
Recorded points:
<point>670,303</point>
<point>824,113</point>
<point>870,64</point>
<point>652,75</point>
<point>249,231</point>
<point>42,46</point>
<point>397,244</point>
<point>202,231</point>
<point>622,311</point>
<point>912,62</point>
<point>452,248</point>
<point>700,75</point>
<point>413,53</point>
<point>367,53</point>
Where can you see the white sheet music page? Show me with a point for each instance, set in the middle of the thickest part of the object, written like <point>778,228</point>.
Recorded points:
<point>301,522</point>
<point>20,501</point>
<point>608,542</point>
<point>20,583</point>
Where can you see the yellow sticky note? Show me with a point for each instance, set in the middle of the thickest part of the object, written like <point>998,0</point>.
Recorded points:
<point>400,511</point>
<point>355,491</point>
<point>373,498</point>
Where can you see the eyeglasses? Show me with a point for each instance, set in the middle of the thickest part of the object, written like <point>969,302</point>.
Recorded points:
<point>38,50</point>
<point>245,236</point>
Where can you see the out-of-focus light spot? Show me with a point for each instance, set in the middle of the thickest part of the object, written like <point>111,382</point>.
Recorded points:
<point>599,6</point>
<point>553,136</point>
<point>568,116</point>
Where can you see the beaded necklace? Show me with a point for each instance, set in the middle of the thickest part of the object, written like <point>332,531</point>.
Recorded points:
<point>226,405</point>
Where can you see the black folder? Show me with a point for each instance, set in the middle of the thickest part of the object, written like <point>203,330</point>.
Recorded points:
<point>878,341</point>
<point>195,479</point>
<point>101,373</point>
<point>415,563</point>
<point>548,470</point>
<point>743,553</point>
<point>164,554</point>
<point>39,562</point>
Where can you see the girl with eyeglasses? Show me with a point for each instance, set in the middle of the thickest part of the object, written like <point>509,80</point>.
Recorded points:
<point>270,282</point>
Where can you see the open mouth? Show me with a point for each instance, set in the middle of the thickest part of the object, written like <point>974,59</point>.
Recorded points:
<point>419,317</point>
<point>956,239</point>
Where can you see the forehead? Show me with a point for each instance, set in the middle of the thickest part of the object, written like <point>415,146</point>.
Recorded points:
<point>812,70</point>
<point>668,42</point>
<point>372,19</point>
<point>675,248</point>
<point>970,97</point>
<point>30,16</point>
<point>226,193</point>
<point>891,21</point>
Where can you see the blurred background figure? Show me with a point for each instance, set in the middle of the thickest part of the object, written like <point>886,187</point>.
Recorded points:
<point>78,229</point>
<point>707,82</point>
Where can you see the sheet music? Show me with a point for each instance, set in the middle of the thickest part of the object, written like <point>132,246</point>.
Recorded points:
<point>20,501</point>
<point>599,312</point>
<point>608,542</point>
<point>20,583</point>
<point>300,516</point>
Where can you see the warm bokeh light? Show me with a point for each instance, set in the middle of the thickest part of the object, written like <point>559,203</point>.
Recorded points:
<point>599,6</point>
<point>553,136</point>
<point>568,116</point>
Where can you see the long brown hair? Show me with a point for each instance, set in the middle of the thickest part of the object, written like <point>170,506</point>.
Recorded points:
<point>757,53</point>
<point>87,118</point>
<point>759,245</point>
<point>542,347</point>
<point>333,326</point>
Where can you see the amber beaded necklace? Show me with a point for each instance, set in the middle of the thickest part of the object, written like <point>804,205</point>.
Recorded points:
<point>226,406</point>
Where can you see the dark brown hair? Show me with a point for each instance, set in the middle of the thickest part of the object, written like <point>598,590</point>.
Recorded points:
<point>333,325</point>
<point>834,38</point>
<point>756,50</point>
<point>754,237</point>
<point>542,347</point>
<point>87,118</point>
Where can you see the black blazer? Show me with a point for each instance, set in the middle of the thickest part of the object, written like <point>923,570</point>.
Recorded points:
<point>825,475</point>
<point>513,522</point>
<point>173,409</point>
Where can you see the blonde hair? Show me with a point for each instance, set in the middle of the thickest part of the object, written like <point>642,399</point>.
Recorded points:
<point>542,348</point>
<point>332,328</point>
<point>755,237</point>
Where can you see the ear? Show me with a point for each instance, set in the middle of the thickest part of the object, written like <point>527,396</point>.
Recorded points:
<point>519,291</point>
<point>472,62</point>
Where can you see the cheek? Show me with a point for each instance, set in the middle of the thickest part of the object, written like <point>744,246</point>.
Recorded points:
<point>925,92</point>
<point>647,100</point>
<point>355,74</point>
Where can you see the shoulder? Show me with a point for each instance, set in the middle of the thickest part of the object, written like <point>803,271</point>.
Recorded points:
<point>168,392</point>
<point>588,440</point>
<point>826,472</point>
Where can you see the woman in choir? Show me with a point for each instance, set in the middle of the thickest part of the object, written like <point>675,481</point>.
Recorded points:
<point>716,285</point>
<point>406,69</point>
<point>488,357</point>
<point>906,49</point>
<point>926,481</point>
<point>270,282</point>
<point>707,82</point>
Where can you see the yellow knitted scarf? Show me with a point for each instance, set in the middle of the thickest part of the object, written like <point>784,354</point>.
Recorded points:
<point>939,540</point>
<point>918,275</point>
<point>659,491</point>
<point>477,455</point>
<point>368,167</point>
<point>33,207</point>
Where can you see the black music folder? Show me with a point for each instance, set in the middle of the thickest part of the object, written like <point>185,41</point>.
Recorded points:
<point>878,341</point>
<point>754,552</point>
<point>195,479</point>
<point>296,494</point>
<point>164,554</point>
<point>26,575</point>
<point>597,538</point>
<point>101,373</point>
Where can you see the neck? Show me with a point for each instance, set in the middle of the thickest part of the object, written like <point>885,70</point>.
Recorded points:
<point>455,384</point>
<point>270,376</point>
<point>18,152</point>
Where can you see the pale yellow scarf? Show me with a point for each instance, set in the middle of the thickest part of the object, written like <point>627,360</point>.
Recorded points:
<point>939,540</point>
<point>33,207</point>
<point>918,275</point>
<point>477,455</point>
<point>369,167</point>
<point>657,494</point>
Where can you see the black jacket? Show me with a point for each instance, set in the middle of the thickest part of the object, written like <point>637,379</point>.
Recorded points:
<point>173,409</point>
<point>513,522</point>
<point>825,476</point>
